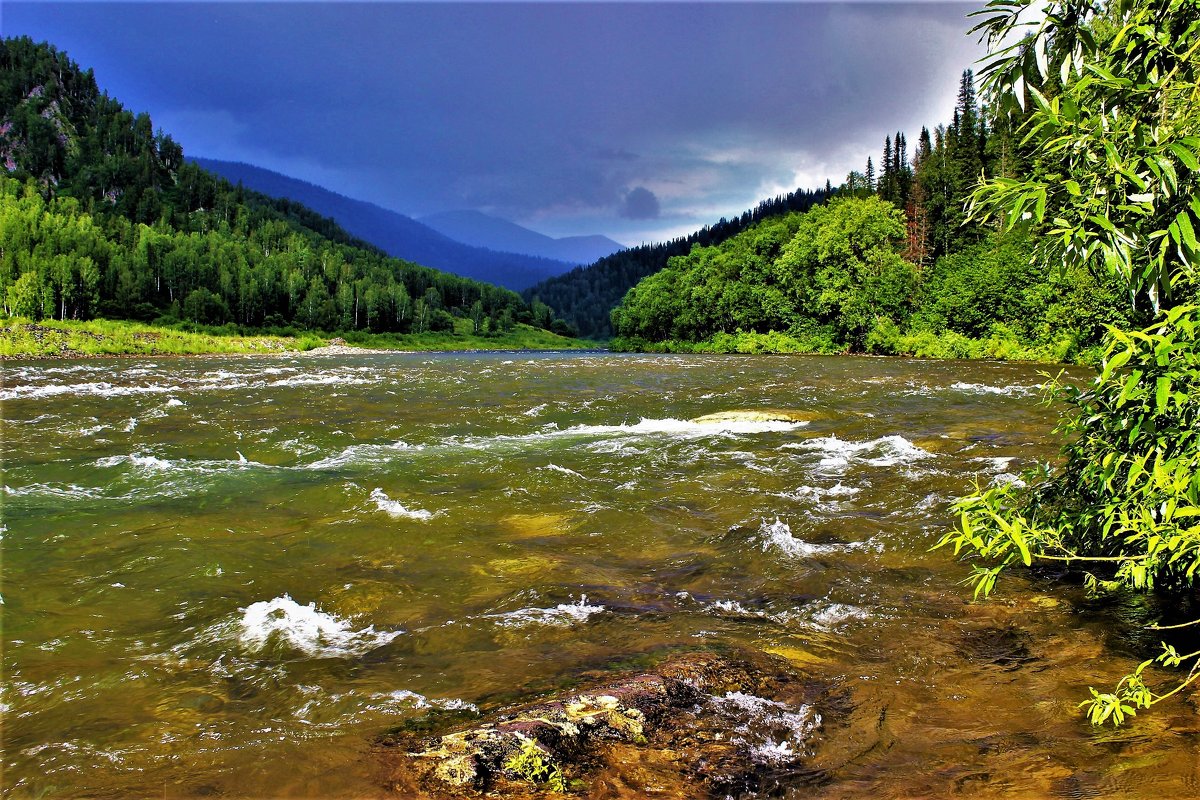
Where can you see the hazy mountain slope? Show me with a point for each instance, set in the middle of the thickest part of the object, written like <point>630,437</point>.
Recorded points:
<point>394,233</point>
<point>483,230</point>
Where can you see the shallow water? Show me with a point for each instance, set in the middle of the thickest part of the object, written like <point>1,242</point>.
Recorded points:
<point>228,575</point>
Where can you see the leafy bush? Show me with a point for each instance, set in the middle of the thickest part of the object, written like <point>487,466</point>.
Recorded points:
<point>1125,504</point>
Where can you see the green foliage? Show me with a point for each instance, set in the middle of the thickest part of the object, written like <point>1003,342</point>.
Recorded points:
<point>831,280</point>
<point>109,220</point>
<point>1125,504</point>
<point>1115,132</point>
<point>535,765</point>
<point>1115,121</point>
<point>585,296</point>
<point>835,266</point>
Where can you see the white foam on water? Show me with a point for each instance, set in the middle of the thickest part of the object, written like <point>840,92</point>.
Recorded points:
<point>778,536</point>
<point>563,470</point>
<point>1008,478</point>
<point>837,454</point>
<point>68,491</point>
<point>773,732</point>
<point>174,402</point>
<point>136,460</point>
<point>533,412</point>
<point>97,388</point>
<point>397,509</point>
<point>685,429</point>
<point>819,494</point>
<point>415,700</point>
<point>1014,390</point>
<point>214,380</point>
<point>362,453</point>
<point>148,463</point>
<point>831,615</point>
<point>560,616</point>
<point>733,607</point>
<point>997,463</point>
<point>306,628</point>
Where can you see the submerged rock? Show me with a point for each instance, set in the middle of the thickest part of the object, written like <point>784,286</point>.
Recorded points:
<point>700,725</point>
<point>757,415</point>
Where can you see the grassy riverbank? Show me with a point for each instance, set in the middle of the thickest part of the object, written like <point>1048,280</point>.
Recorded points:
<point>1001,346</point>
<point>20,338</point>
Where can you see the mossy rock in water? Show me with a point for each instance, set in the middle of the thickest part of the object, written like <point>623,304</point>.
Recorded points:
<point>799,656</point>
<point>757,415</point>
<point>528,526</point>
<point>521,567</point>
<point>676,722</point>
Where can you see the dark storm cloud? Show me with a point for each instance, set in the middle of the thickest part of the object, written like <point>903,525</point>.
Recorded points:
<point>640,203</point>
<point>542,112</point>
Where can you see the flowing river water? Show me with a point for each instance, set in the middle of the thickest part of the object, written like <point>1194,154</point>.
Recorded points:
<point>227,576</point>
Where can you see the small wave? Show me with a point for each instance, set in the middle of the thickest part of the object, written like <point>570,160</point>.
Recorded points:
<point>773,732</point>
<point>563,470</point>
<point>562,615</point>
<point>306,628</point>
<point>818,494</point>
<point>686,429</point>
<point>837,453</point>
<point>415,700</point>
<point>997,463</point>
<point>63,491</point>
<point>777,535</point>
<point>533,412</point>
<point>148,463</point>
<point>1014,390</point>
<point>397,509</point>
<point>733,608</point>
<point>834,614</point>
<point>98,388</point>
<point>362,453</point>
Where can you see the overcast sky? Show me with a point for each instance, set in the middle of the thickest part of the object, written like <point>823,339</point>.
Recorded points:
<point>639,121</point>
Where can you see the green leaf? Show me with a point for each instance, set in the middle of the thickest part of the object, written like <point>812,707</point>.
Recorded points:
<point>1162,392</point>
<point>1185,155</point>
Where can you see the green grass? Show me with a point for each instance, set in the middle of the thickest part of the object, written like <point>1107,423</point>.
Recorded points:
<point>21,338</point>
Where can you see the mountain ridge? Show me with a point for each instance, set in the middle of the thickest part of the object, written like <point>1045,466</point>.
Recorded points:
<point>396,234</point>
<point>478,229</point>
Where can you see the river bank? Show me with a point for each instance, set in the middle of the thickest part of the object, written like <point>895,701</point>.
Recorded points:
<point>23,339</point>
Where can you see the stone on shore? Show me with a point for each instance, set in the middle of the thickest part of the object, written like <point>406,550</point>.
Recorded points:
<point>700,725</point>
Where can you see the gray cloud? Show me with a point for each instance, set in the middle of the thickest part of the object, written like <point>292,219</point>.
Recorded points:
<point>640,203</point>
<point>542,112</point>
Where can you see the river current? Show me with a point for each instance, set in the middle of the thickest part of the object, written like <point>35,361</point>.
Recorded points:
<point>227,576</point>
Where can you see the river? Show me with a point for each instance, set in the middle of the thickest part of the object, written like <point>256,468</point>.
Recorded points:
<point>228,575</point>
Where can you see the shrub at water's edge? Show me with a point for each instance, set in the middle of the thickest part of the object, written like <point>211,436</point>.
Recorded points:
<point>1113,91</point>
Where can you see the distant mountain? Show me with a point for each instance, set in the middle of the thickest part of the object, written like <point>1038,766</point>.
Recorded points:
<point>396,234</point>
<point>482,230</point>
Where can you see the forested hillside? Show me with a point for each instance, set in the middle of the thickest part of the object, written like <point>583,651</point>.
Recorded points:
<point>892,265</point>
<point>101,215</point>
<point>397,235</point>
<point>585,296</point>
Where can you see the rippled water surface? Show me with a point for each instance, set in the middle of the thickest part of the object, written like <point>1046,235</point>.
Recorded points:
<point>228,575</point>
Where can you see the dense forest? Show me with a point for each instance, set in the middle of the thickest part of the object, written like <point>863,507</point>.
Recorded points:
<point>892,264</point>
<point>585,296</point>
<point>101,216</point>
